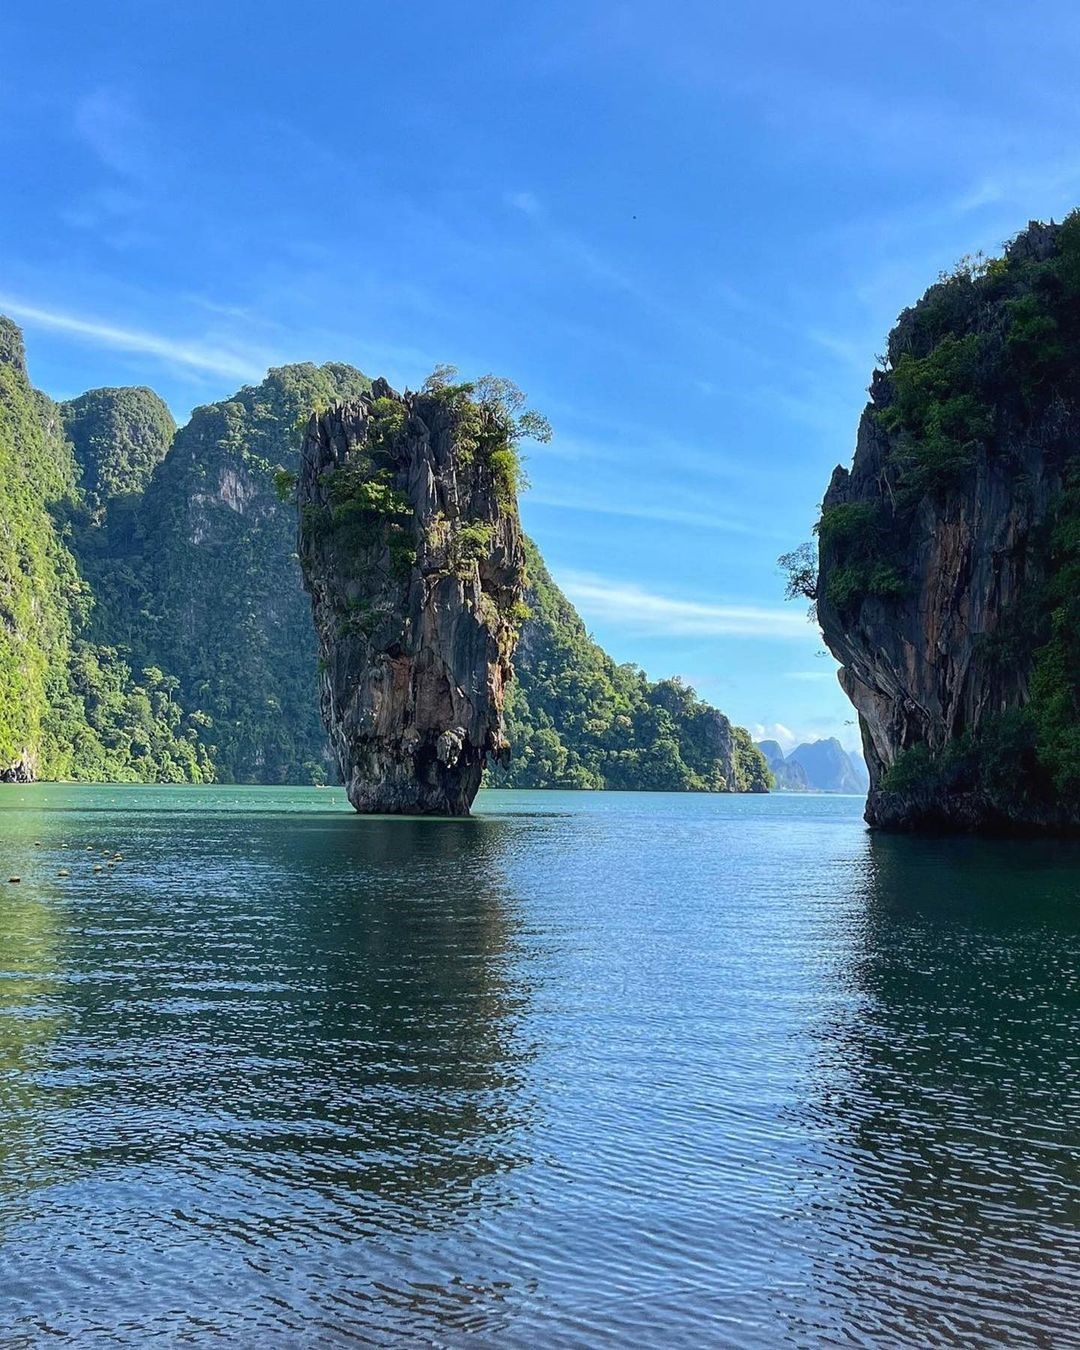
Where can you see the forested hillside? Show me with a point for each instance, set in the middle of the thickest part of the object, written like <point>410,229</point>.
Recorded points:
<point>70,706</point>
<point>153,626</point>
<point>211,587</point>
<point>576,719</point>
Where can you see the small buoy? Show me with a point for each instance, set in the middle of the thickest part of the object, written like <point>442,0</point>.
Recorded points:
<point>89,848</point>
<point>14,881</point>
<point>118,857</point>
<point>63,872</point>
<point>98,867</point>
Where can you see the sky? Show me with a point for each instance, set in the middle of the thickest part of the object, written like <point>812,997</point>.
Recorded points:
<point>684,229</point>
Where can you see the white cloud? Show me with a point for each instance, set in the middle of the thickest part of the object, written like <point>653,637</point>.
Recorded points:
<point>635,610</point>
<point>775,731</point>
<point>195,355</point>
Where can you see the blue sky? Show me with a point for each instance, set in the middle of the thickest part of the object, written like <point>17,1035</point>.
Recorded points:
<point>684,228</point>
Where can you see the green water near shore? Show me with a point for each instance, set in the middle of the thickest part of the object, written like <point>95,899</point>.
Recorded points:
<point>583,1069</point>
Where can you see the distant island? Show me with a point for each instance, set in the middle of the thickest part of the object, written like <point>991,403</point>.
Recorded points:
<point>815,766</point>
<point>154,628</point>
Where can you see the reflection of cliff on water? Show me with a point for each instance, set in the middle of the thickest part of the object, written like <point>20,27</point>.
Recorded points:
<point>950,1093</point>
<point>278,1002</point>
<point>30,1020</point>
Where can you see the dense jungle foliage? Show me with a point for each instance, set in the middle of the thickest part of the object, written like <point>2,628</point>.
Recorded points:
<point>70,706</point>
<point>210,587</point>
<point>575,719</point>
<point>153,626</point>
<point>119,436</point>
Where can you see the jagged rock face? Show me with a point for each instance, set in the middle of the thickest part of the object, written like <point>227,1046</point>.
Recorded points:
<point>22,770</point>
<point>919,670</point>
<point>940,647</point>
<point>413,556</point>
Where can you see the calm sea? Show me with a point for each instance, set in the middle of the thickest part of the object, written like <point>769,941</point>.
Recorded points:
<point>583,1070</point>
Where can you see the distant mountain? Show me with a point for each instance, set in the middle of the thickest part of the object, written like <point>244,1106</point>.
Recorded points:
<point>815,766</point>
<point>829,767</point>
<point>790,775</point>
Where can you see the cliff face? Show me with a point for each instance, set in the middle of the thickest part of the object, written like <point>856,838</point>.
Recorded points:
<point>412,553</point>
<point>948,553</point>
<point>215,594</point>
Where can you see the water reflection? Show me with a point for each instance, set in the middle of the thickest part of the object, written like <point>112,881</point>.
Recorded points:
<point>949,1092</point>
<point>30,1020</point>
<point>666,1070</point>
<point>282,1038</point>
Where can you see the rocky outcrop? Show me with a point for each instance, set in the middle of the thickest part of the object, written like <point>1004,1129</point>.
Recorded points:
<point>412,553</point>
<point>942,555</point>
<point>21,770</point>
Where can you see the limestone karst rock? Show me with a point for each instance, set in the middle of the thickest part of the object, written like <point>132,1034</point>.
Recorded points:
<point>949,585</point>
<point>412,553</point>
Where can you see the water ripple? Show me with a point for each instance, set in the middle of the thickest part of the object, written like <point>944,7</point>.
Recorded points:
<point>586,1070</point>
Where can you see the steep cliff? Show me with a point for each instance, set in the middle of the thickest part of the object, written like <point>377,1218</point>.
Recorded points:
<point>412,553</point>
<point>576,719</point>
<point>204,581</point>
<point>949,582</point>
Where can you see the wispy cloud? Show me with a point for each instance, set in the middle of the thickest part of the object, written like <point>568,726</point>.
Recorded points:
<point>196,355</point>
<point>705,520</point>
<point>775,731</point>
<point>525,202</point>
<point>635,610</point>
<point>108,122</point>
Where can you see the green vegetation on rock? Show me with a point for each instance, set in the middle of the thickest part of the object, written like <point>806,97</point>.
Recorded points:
<point>70,706</point>
<point>153,626</point>
<point>960,524</point>
<point>119,436</point>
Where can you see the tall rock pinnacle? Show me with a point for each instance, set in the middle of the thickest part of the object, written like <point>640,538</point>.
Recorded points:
<point>412,553</point>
